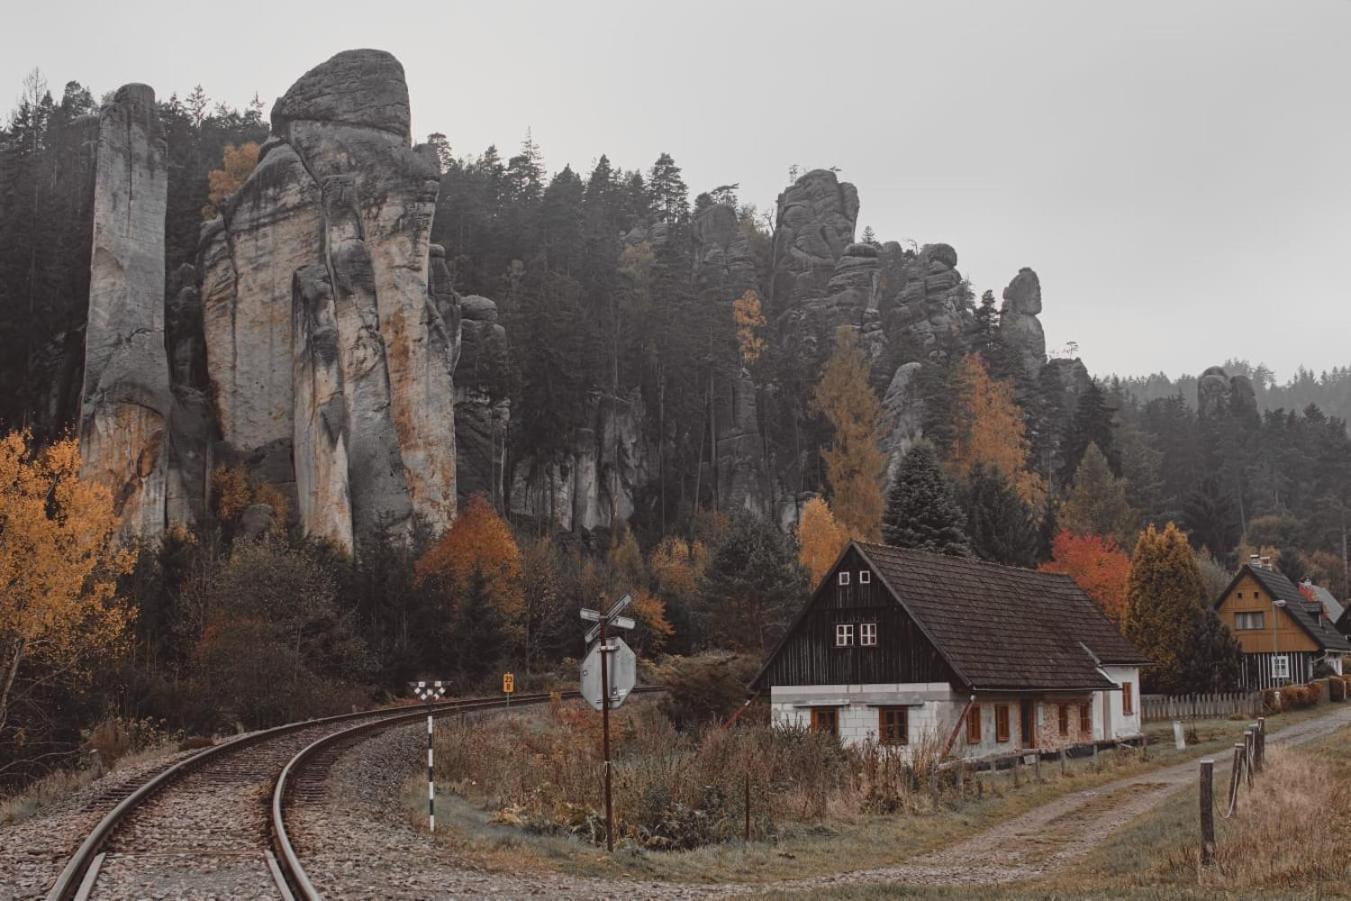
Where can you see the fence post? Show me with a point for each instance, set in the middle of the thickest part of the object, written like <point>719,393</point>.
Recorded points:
<point>1207,812</point>
<point>1261,742</point>
<point>1249,741</point>
<point>1235,777</point>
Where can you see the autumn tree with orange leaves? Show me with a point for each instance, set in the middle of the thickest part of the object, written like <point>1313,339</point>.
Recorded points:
<point>991,431</point>
<point>59,564</point>
<point>1097,566</point>
<point>479,545</point>
<point>820,538</point>
<point>854,462</point>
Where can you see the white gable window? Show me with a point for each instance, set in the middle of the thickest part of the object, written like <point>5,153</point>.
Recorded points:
<point>844,577</point>
<point>844,635</point>
<point>865,577</point>
<point>1280,666</point>
<point>867,634</point>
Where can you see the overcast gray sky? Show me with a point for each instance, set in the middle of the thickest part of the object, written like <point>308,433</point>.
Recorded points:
<point>1176,172</point>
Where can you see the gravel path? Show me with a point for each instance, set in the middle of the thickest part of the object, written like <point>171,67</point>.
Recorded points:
<point>359,818</point>
<point>33,851</point>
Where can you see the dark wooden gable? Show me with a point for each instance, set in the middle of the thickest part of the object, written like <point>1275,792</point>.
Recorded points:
<point>807,655</point>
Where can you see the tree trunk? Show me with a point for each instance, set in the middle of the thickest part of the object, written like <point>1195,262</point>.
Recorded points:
<point>11,672</point>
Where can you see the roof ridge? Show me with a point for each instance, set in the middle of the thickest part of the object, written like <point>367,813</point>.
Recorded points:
<point>975,561</point>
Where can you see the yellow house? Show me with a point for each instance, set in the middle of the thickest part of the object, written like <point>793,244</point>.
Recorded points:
<point>1283,634</point>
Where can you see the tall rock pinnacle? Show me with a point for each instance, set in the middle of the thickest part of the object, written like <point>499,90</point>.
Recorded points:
<point>124,406</point>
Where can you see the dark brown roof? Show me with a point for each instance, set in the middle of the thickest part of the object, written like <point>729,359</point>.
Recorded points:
<point>1001,627</point>
<point>1301,609</point>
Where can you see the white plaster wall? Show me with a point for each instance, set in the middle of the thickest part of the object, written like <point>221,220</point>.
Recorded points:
<point>1121,726</point>
<point>933,708</point>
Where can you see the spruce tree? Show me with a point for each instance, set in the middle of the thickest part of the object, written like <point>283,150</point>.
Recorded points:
<point>921,510</point>
<point>1092,424</point>
<point>1001,527</point>
<point>1164,598</point>
<point>1097,503</point>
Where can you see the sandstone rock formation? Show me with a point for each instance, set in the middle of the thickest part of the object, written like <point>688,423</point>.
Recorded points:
<point>1019,328</point>
<point>820,279</point>
<point>1219,395</point>
<point>125,401</point>
<point>902,416</point>
<point>191,424</point>
<point>922,300</point>
<point>596,483</point>
<point>328,352</point>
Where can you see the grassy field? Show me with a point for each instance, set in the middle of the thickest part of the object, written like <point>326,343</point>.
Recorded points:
<point>840,840</point>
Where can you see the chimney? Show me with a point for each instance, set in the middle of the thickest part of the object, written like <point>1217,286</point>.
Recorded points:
<point>1255,561</point>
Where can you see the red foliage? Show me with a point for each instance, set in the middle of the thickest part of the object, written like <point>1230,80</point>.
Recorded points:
<point>1097,566</point>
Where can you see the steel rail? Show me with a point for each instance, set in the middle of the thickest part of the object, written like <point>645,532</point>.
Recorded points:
<point>72,875</point>
<point>287,859</point>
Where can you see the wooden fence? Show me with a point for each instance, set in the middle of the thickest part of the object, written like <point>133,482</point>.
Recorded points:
<point>1185,707</point>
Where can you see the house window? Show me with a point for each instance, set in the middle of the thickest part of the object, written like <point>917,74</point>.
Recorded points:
<point>843,577</point>
<point>1249,620</point>
<point>844,635</point>
<point>867,633</point>
<point>1064,719</point>
<point>1085,719</point>
<point>1127,699</point>
<point>865,577</point>
<point>973,725</point>
<point>1001,722</point>
<point>1240,595</point>
<point>893,725</point>
<point>1280,667</point>
<point>826,719</point>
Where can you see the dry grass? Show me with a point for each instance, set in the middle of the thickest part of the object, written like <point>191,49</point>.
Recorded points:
<point>804,824</point>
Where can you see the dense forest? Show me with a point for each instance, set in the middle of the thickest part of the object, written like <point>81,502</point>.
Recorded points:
<point>744,415</point>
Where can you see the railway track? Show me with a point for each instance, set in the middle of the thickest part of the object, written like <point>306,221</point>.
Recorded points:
<point>207,825</point>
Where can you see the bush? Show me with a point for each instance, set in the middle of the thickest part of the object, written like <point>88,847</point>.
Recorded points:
<point>1336,688</point>
<point>115,737</point>
<point>704,689</point>
<point>1298,697</point>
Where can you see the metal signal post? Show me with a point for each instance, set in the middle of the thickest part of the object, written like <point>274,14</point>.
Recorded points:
<point>608,691</point>
<point>428,692</point>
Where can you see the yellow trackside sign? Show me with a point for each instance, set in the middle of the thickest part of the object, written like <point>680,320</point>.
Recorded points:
<point>508,682</point>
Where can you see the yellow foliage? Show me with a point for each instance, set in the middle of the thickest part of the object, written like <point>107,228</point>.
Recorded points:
<point>233,491</point>
<point>59,563</point>
<point>236,166</point>
<point>820,538</point>
<point>678,566</point>
<point>650,611</point>
<point>854,462</point>
<point>749,321</point>
<point>991,431</point>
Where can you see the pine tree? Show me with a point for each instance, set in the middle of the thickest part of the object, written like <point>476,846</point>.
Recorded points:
<point>1214,662</point>
<point>999,523</point>
<point>1097,503</point>
<point>752,584</point>
<point>477,632</point>
<point>854,463</point>
<point>921,510</point>
<point>1092,424</point>
<point>1164,597</point>
<point>666,188</point>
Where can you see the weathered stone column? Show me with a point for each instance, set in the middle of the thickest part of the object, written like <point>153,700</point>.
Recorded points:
<point>124,405</point>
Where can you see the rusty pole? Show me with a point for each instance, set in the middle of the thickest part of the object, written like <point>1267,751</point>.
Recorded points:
<point>605,733</point>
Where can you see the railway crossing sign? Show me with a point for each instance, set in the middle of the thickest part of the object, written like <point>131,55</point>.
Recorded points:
<point>623,672</point>
<point>608,675</point>
<point>428,691</point>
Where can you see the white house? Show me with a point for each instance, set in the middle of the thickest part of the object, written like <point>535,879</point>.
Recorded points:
<point>905,646</point>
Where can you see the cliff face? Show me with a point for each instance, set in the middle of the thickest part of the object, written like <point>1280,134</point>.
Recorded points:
<point>328,355</point>
<point>125,402</point>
